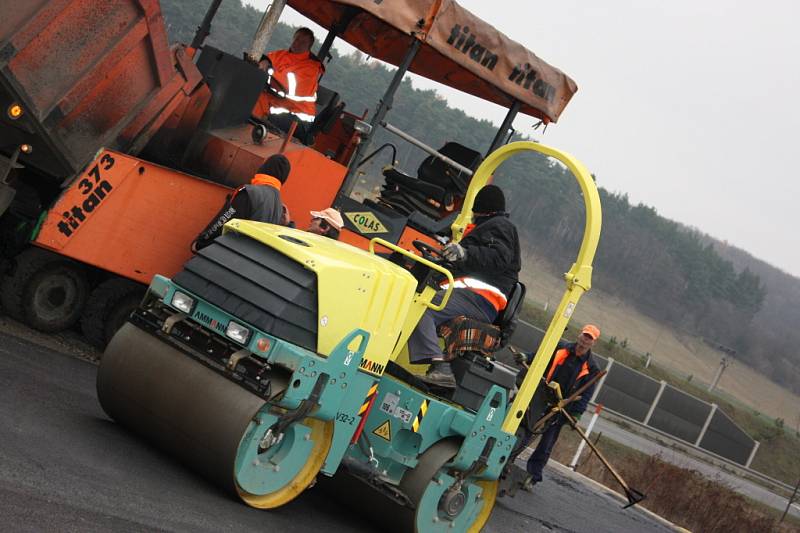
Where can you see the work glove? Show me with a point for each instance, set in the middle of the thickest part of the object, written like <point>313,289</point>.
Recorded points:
<point>521,358</point>
<point>454,252</point>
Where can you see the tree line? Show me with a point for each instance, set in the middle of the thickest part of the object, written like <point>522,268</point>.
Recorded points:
<point>670,272</point>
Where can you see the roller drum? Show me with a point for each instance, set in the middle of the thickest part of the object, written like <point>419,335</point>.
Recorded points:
<point>175,402</point>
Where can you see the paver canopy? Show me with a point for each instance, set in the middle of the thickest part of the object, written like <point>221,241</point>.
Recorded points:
<point>458,49</point>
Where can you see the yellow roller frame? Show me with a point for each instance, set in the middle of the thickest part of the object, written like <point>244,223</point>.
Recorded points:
<point>579,277</point>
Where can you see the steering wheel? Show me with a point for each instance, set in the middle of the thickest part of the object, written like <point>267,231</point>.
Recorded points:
<point>428,251</point>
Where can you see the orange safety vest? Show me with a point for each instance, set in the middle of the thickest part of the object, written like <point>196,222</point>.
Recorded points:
<point>558,360</point>
<point>299,74</point>
<point>494,295</point>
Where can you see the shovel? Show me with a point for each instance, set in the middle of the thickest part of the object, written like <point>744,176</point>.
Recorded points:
<point>634,496</point>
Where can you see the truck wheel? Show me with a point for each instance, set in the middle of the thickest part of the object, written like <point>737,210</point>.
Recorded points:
<point>107,308</point>
<point>44,290</point>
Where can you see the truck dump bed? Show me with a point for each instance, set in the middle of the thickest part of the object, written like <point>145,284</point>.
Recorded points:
<point>87,73</point>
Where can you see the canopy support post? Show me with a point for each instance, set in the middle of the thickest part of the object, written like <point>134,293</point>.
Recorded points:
<point>500,138</point>
<point>380,113</point>
<point>335,31</point>
<point>204,29</point>
<point>265,29</point>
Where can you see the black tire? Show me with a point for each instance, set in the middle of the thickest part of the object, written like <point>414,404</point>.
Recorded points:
<point>44,290</point>
<point>108,307</point>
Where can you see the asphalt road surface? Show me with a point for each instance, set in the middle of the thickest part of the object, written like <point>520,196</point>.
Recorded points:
<point>64,466</point>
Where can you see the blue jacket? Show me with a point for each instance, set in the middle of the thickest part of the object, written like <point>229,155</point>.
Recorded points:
<point>571,372</point>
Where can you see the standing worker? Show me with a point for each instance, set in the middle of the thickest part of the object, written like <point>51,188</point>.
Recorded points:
<point>571,367</point>
<point>293,80</point>
<point>259,201</point>
<point>485,267</point>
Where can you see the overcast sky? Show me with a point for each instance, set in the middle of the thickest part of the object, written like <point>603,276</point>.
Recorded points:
<point>692,107</point>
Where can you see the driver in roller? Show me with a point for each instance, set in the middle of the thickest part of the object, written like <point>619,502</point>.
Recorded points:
<point>485,267</point>
<point>291,91</point>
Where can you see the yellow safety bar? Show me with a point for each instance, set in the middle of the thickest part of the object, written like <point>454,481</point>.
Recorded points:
<point>579,277</point>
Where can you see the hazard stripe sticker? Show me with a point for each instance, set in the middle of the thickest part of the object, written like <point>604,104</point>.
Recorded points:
<point>423,408</point>
<point>370,395</point>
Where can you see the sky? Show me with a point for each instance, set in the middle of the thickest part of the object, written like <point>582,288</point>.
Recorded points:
<point>691,107</point>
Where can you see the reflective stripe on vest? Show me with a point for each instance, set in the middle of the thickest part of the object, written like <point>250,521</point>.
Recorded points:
<point>292,95</point>
<point>305,117</point>
<point>558,360</point>
<point>494,295</point>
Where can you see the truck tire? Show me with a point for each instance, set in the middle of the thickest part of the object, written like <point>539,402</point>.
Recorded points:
<point>107,308</point>
<point>44,290</point>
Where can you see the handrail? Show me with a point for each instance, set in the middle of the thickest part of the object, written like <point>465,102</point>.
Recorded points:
<point>422,146</point>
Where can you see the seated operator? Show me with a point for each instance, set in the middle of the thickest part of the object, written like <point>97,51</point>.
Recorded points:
<point>485,267</point>
<point>293,77</point>
<point>259,201</point>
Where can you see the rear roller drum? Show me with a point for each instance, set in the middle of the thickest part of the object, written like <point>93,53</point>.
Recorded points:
<point>437,507</point>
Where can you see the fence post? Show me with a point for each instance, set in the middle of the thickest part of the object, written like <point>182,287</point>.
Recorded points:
<point>655,402</point>
<point>603,379</point>
<point>705,426</point>
<point>574,463</point>
<point>756,444</point>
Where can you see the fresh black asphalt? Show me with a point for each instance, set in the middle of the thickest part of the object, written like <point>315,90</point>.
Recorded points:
<point>65,466</point>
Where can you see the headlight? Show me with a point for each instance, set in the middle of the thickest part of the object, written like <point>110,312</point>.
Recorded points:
<point>237,332</point>
<point>182,302</point>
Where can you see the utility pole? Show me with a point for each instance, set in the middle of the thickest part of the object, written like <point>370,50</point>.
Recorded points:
<point>723,364</point>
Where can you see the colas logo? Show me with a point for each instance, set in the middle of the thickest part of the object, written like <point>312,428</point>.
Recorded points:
<point>366,222</point>
<point>94,188</point>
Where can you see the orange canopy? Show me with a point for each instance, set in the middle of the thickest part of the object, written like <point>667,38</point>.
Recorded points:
<point>459,50</point>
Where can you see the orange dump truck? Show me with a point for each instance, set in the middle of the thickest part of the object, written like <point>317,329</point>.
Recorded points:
<point>116,149</point>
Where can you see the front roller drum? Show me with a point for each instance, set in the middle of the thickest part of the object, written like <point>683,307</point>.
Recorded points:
<point>213,425</point>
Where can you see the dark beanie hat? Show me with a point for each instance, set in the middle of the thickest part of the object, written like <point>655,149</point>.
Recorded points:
<point>276,166</point>
<point>490,199</point>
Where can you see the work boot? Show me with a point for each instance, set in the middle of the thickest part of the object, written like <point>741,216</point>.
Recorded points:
<point>528,484</point>
<point>441,375</point>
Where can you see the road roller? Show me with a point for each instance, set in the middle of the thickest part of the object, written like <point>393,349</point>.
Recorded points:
<point>276,356</point>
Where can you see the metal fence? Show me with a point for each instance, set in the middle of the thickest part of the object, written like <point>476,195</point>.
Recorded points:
<point>660,406</point>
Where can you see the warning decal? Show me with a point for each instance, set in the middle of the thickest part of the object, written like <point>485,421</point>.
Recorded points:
<point>384,431</point>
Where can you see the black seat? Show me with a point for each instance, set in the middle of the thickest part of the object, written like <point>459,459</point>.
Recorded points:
<point>507,319</point>
<point>438,189</point>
